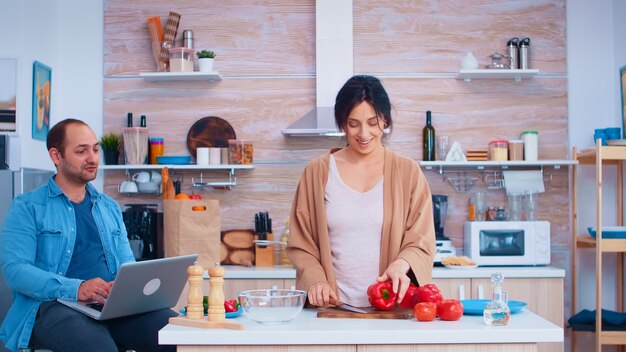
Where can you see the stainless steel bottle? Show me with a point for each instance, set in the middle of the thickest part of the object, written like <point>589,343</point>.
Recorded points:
<point>512,52</point>
<point>524,53</point>
<point>188,38</point>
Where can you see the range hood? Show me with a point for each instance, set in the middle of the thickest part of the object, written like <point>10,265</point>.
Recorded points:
<point>333,65</point>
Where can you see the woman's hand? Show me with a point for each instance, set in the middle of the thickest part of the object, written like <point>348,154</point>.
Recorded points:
<point>321,294</point>
<point>396,272</point>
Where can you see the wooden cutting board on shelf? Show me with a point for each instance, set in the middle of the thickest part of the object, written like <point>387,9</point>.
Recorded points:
<point>210,131</point>
<point>395,313</point>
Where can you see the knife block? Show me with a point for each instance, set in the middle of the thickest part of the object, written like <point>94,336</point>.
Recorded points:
<point>264,256</point>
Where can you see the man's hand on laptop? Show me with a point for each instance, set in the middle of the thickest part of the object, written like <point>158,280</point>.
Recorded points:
<point>94,290</point>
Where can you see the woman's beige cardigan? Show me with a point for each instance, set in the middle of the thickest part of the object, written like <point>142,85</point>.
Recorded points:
<point>408,228</point>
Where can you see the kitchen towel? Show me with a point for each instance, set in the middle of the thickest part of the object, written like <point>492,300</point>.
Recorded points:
<point>522,182</point>
<point>585,320</point>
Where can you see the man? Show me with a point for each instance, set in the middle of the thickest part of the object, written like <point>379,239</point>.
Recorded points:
<point>67,240</point>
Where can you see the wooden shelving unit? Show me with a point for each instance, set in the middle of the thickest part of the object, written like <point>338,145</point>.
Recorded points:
<point>599,157</point>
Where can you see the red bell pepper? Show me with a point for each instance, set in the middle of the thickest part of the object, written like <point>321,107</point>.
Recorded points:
<point>410,297</point>
<point>429,293</point>
<point>231,305</point>
<point>381,295</point>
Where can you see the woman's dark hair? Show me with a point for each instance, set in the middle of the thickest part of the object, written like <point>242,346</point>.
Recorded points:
<point>359,89</point>
<point>56,135</point>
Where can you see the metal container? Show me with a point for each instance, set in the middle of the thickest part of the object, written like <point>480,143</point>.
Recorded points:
<point>188,38</point>
<point>512,52</point>
<point>524,54</point>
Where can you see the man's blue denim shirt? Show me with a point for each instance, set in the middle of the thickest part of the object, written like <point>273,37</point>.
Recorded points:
<point>36,246</point>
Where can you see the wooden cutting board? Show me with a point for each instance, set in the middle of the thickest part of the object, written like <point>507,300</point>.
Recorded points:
<point>210,131</point>
<point>395,313</point>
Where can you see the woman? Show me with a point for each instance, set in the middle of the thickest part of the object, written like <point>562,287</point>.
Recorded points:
<point>363,212</point>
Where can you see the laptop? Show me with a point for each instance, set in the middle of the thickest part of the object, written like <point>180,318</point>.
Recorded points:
<point>140,287</point>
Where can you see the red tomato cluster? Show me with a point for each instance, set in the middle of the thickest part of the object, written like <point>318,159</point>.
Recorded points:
<point>426,301</point>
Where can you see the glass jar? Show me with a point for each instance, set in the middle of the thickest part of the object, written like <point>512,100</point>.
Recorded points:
<point>498,150</point>
<point>516,149</point>
<point>497,312</point>
<point>181,59</point>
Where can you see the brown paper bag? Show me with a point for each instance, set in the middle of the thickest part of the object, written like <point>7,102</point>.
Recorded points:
<point>192,227</point>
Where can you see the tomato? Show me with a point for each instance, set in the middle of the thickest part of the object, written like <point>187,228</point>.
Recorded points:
<point>450,309</point>
<point>195,196</point>
<point>410,297</point>
<point>425,311</point>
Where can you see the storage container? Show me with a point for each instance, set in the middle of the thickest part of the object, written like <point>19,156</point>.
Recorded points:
<point>516,149</point>
<point>240,152</point>
<point>181,59</point>
<point>498,150</point>
<point>531,145</point>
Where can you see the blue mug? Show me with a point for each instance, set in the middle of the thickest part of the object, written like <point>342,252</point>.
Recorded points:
<point>613,133</point>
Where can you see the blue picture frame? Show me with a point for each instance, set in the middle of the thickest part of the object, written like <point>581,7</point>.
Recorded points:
<point>42,93</point>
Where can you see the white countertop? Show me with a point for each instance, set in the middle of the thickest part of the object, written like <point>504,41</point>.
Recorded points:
<point>287,272</point>
<point>307,329</point>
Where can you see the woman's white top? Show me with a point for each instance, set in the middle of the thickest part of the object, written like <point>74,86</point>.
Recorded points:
<point>355,222</point>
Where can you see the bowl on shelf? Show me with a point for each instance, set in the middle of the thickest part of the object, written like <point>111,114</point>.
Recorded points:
<point>272,306</point>
<point>609,231</point>
<point>174,159</point>
<point>149,187</point>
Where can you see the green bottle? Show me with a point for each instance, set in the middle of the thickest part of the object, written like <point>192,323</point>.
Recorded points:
<point>428,136</point>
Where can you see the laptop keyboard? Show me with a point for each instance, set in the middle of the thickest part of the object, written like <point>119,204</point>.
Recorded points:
<point>97,306</point>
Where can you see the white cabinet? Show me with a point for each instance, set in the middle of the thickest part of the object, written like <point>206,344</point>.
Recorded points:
<point>544,296</point>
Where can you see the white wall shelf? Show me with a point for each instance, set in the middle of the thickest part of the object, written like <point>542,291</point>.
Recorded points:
<point>177,167</point>
<point>517,75</point>
<point>181,76</point>
<point>504,165</point>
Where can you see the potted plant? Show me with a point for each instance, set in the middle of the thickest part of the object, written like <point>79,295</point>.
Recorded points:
<point>205,60</point>
<point>110,144</point>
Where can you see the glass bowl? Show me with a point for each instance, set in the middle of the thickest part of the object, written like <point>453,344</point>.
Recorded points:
<point>272,306</point>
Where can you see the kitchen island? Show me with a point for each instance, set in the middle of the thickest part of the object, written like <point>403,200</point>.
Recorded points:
<point>309,333</point>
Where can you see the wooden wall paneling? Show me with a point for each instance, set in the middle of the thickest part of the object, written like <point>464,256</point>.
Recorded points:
<point>260,37</point>
<point>414,37</point>
<point>256,108</point>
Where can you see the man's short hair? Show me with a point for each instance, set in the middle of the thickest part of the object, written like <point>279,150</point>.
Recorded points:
<point>56,135</point>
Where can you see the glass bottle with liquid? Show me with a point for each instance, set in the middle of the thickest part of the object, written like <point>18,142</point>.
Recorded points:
<point>497,312</point>
<point>428,138</point>
<point>284,260</point>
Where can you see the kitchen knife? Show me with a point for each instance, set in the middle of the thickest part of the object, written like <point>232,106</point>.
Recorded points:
<point>345,306</point>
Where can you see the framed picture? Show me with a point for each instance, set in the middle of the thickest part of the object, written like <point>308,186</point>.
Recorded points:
<point>622,84</point>
<point>42,85</point>
<point>8,95</point>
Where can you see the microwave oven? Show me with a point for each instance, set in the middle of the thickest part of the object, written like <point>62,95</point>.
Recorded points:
<point>507,242</point>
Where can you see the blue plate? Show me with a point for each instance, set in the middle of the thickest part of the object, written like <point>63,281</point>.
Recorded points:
<point>476,306</point>
<point>174,160</point>
<point>609,232</point>
<point>229,315</point>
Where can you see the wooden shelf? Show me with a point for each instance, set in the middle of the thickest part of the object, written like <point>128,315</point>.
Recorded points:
<point>599,157</point>
<point>517,75</point>
<point>181,76</point>
<point>609,245</point>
